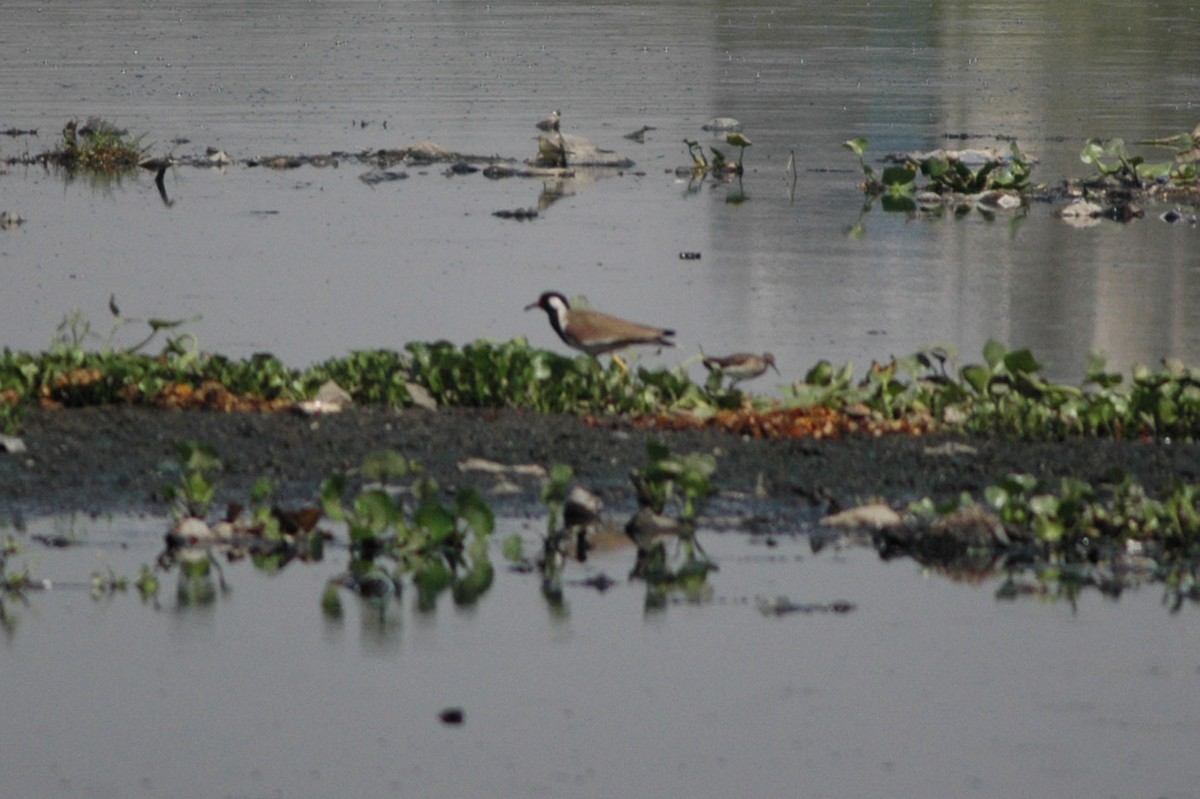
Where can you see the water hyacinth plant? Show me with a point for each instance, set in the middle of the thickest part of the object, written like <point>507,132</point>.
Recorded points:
<point>671,491</point>
<point>438,546</point>
<point>949,173</point>
<point>1004,394</point>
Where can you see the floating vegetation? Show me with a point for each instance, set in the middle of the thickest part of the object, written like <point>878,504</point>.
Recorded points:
<point>96,146</point>
<point>1115,164</point>
<point>966,179</point>
<point>438,546</point>
<point>671,492</point>
<point>14,583</point>
<point>989,180</point>
<point>1049,540</point>
<point>1004,395</point>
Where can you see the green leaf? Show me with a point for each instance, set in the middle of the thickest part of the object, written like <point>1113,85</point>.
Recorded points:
<point>474,510</point>
<point>558,484</point>
<point>900,179</point>
<point>1048,529</point>
<point>993,353</point>
<point>332,489</point>
<point>474,583</point>
<point>433,517</point>
<point>376,512</point>
<point>264,487</point>
<point>331,601</point>
<point>856,146</point>
<point>513,549</point>
<point>385,466</point>
<point>1021,362</point>
<point>935,167</point>
<point>821,374</point>
<point>977,377</point>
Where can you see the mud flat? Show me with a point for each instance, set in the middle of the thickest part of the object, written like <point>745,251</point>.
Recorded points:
<point>117,458</point>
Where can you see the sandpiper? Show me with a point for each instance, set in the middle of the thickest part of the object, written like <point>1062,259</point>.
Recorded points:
<point>740,366</point>
<point>552,149</point>
<point>550,123</point>
<point>593,332</point>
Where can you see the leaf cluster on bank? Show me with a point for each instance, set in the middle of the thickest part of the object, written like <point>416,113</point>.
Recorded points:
<point>1004,394</point>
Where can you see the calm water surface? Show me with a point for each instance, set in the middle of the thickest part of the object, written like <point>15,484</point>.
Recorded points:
<point>928,688</point>
<point>311,263</point>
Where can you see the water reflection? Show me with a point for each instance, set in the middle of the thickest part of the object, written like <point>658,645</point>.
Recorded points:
<point>777,273</point>
<point>560,685</point>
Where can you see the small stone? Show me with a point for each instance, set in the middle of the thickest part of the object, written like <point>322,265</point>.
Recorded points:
<point>722,125</point>
<point>452,716</point>
<point>11,444</point>
<point>876,516</point>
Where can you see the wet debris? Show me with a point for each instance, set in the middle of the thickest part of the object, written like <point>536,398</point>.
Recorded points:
<point>496,468</point>
<point>330,398</point>
<point>506,476</point>
<point>217,158</point>
<point>279,161</point>
<point>1175,215</point>
<point>639,136</point>
<point>14,132</point>
<point>951,449</point>
<point>1085,213</point>
<point>782,606</point>
<point>582,507</point>
<point>812,422</point>
<point>460,168</point>
<point>565,149</point>
<point>285,534</point>
<point>722,125</point>
<point>689,256</point>
<point>11,444</point>
<point>499,171</point>
<point>519,214</point>
<point>10,220</point>
<point>452,716</point>
<point>420,396</point>
<point>875,517</point>
<point>374,177</point>
<point>54,541</point>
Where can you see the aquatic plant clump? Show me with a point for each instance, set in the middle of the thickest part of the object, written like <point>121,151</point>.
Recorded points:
<point>440,546</point>
<point>1056,540</point>
<point>96,146</point>
<point>927,391</point>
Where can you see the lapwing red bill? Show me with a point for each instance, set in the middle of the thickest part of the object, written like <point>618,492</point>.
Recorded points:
<point>596,333</point>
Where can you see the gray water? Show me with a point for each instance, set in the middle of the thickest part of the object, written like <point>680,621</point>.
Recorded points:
<point>929,688</point>
<point>312,263</point>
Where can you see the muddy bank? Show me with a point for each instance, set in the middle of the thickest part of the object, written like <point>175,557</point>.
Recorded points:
<point>117,458</point>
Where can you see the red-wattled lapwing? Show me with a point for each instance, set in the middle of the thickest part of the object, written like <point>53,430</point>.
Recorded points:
<point>740,366</point>
<point>597,333</point>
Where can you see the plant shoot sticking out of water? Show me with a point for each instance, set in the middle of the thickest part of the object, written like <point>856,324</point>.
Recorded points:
<point>438,546</point>
<point>195,491</point>
<point>671,492</point>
